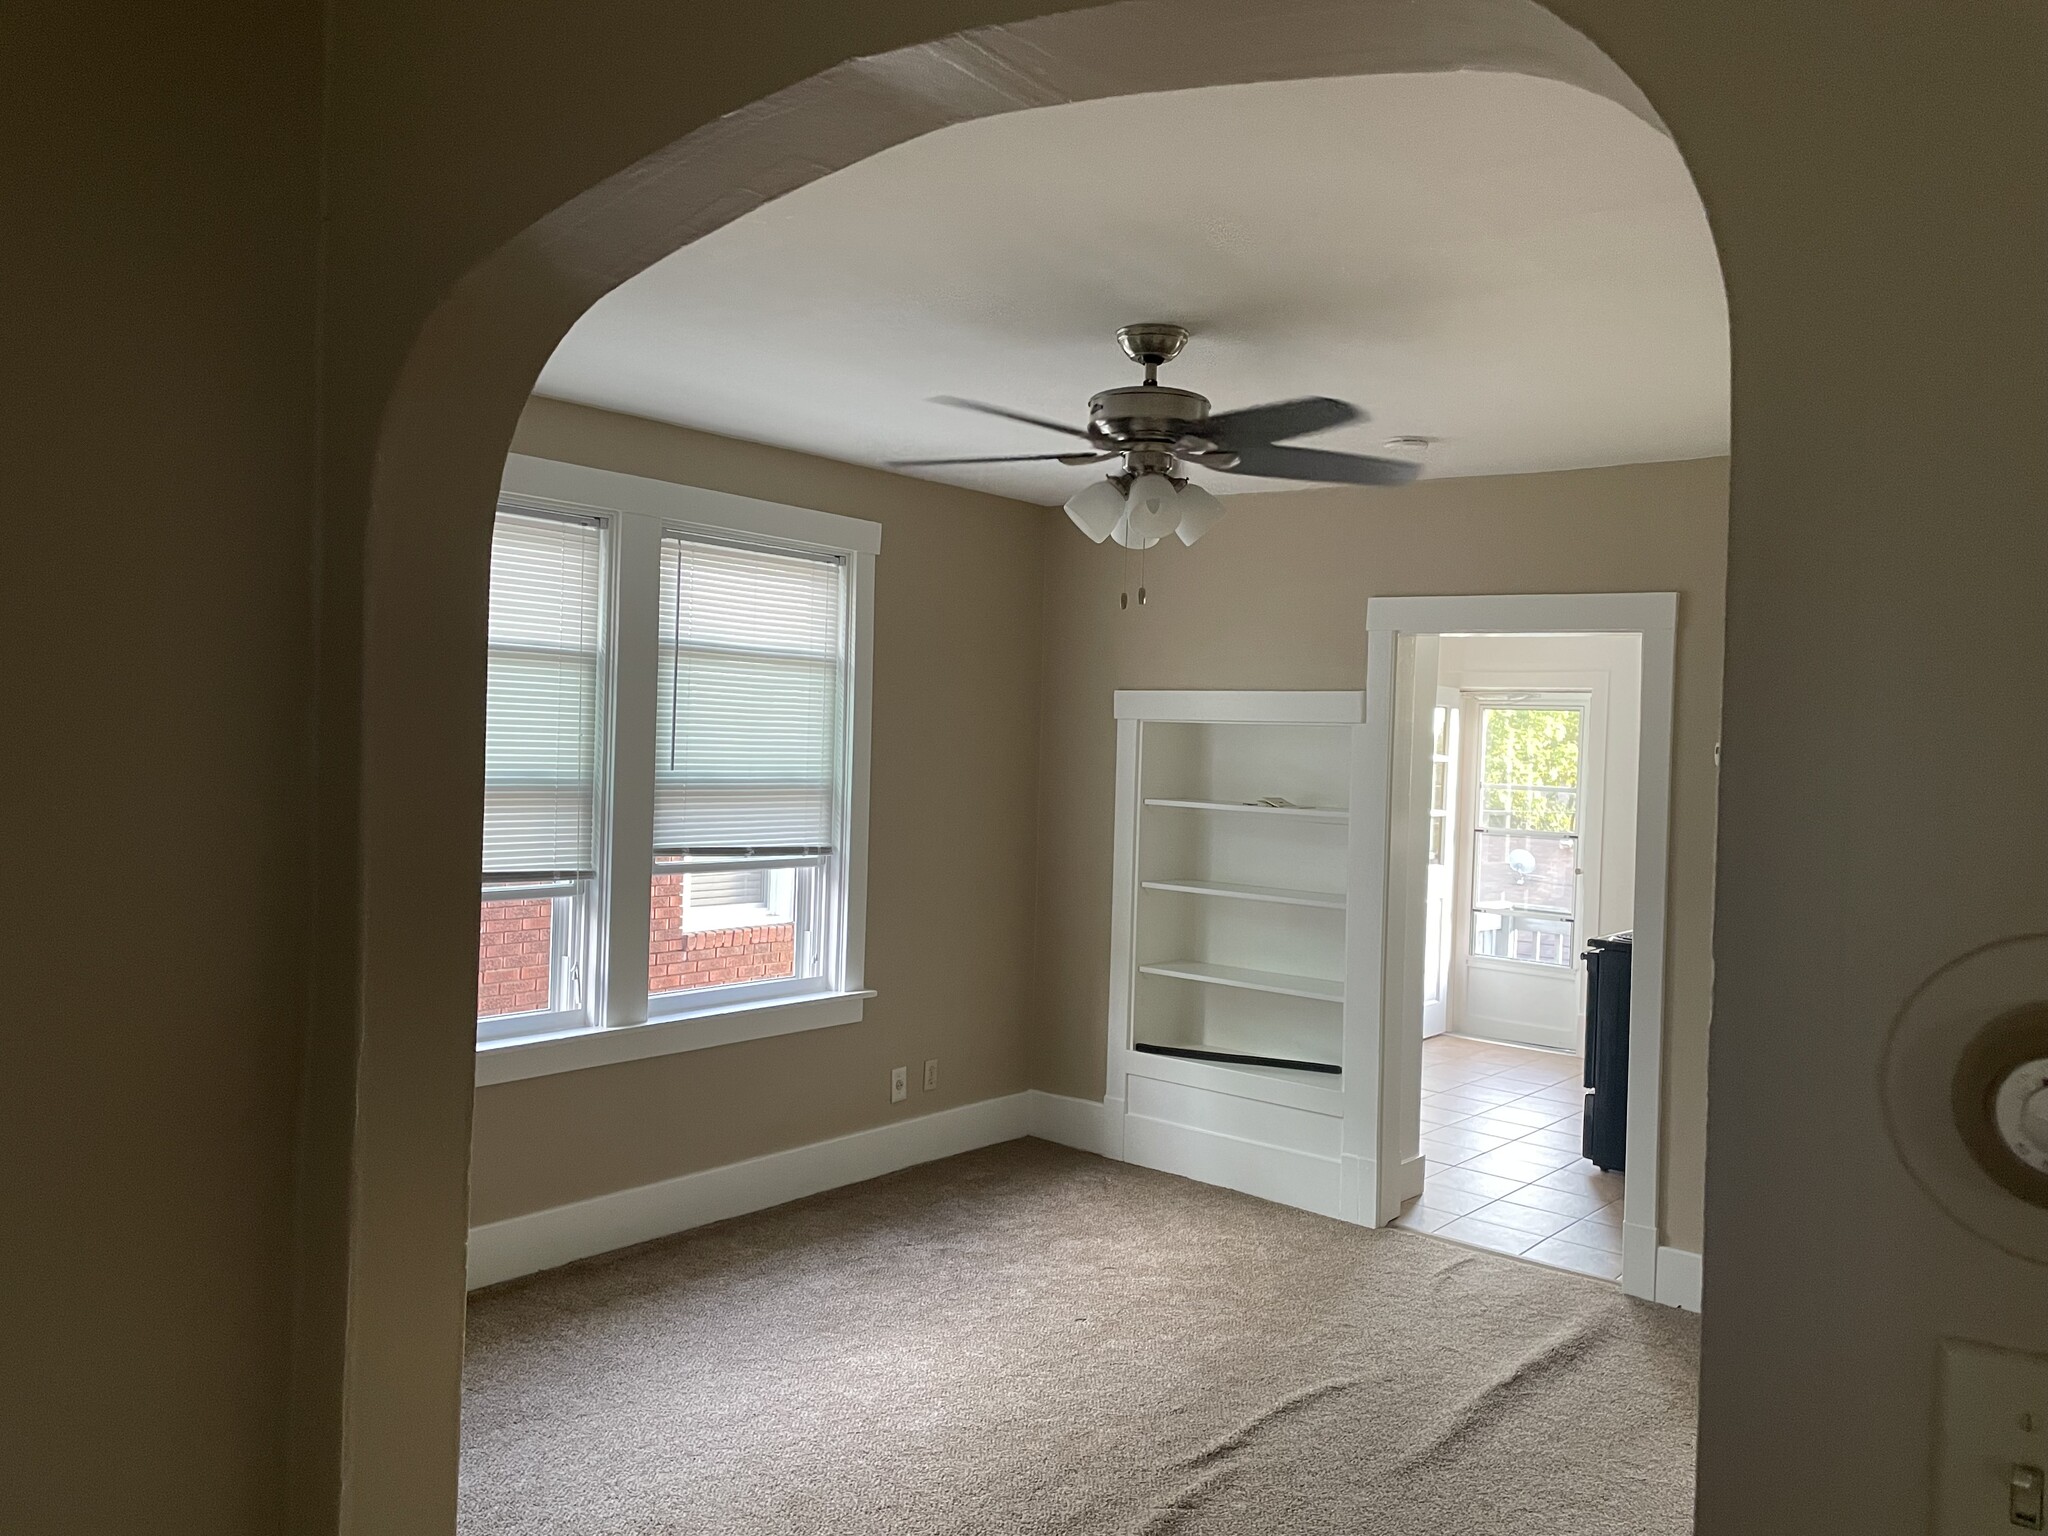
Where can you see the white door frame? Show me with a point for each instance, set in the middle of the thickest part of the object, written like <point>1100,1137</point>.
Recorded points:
<point>1399,631</point>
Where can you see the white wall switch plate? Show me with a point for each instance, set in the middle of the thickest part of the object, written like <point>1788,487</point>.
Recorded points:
<point>1993,1440</point>
<point>899,1084</point>
<point>931,1075</point>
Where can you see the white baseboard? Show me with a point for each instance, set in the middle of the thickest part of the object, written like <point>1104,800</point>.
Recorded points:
<point>1283,1175</point>
<point>1090,1125</point>
<point>1678,1278</point>
<point>521,1245</point>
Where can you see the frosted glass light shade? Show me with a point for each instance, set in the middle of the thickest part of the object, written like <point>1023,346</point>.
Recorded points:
<point>1124,535</point>
<point>1152,509</point>
<point>1199,512</point>
<point>1096,509</point>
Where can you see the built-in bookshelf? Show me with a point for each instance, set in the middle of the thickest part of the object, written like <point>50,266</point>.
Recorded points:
<point>1234,847</point>
<point>1238,937</point>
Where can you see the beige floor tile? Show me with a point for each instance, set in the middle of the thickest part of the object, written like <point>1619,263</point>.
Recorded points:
<point>1525,1218</point>
<point>1564,1141</point>
<point>1485,1093</point>
<point>1517,1114</point>
<point>1444,1154</point>
<point>1465,1136</point>
<point>1486,1234</point>
<point>1490,1185</point>
<point>1490,1124</point>
<point>1525,1165</point>
<point>1575,1256</point>
<point>1587,1234</point>
<point>1453,1101</point>
<point>1423,1217</point>
<point>1440,1196</point>
<point>1587,1179</point>
<point>1565,1202</point>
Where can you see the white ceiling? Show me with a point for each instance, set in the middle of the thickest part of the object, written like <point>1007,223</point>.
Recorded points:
<point>1514,266</point>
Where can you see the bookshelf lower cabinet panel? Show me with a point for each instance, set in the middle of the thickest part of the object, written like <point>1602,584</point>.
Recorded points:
<point>1248,1119</point>
<point>1280,1174</point>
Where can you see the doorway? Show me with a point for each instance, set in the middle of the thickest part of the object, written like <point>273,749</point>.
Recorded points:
<point>1518,840</point>
<point>1526,746</point>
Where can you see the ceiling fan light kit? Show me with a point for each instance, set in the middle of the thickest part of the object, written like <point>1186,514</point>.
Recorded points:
<point>1097,508</point>
<point>1199,512</point>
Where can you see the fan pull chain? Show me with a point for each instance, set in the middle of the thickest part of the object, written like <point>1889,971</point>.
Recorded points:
<point>1131,555</point>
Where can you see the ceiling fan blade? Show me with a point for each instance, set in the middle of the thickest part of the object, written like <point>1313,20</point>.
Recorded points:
<point>1009,415</point>
<point>1277,422</point>
<point>1006,458</point>
<point>1272,463</point>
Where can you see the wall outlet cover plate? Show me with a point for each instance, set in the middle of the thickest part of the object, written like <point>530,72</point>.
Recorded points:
<point>1994,1422</point>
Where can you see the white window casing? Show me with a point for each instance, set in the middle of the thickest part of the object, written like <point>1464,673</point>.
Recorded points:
<point>731,747</point>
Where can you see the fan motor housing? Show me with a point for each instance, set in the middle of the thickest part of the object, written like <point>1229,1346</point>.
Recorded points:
<point>1146,413</point>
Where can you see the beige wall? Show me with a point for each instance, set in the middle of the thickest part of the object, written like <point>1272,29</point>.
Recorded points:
<point>1274,597</point>
<point>155,598</point>
<point>1870,173</point>
<point>951,840</point>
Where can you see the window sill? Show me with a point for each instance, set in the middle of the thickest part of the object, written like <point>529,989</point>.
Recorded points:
<point>508,1061</point>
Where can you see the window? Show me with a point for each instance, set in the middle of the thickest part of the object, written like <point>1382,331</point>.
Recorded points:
<point>542,719</point>
<point>1526,843</point>
<point>675,803</point>
<point>747,769</point>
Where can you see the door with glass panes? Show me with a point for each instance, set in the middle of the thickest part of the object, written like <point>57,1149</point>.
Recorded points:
<point>1530,785</point>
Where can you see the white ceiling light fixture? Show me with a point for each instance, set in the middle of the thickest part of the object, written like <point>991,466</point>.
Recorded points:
<point>1151,510</point>
<point>1199,512</point>
<point>1097,508</point>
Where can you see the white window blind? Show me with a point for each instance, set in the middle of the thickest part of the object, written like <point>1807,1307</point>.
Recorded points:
<point>752,691</point>
<point>540,745</point>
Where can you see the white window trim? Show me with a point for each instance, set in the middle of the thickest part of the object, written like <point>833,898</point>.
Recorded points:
<point>639,512</point>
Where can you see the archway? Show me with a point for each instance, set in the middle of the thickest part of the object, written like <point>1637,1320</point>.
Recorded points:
<point>403,1100</point>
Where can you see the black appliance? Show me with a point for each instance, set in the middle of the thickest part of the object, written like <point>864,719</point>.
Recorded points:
<point>1609,963</point>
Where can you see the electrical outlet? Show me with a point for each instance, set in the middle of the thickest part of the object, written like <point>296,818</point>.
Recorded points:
<point>899,1084</point>
<point>931,1075</point>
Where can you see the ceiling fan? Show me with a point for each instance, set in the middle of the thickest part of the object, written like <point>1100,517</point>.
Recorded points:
<point>1156,430</point>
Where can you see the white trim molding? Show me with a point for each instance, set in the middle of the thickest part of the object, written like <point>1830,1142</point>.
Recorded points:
<point>581,488</point>
<point>509,1061</point>
<point>1678,1278</point>
<point>1241,706</point>
<point>1088,1125</point>
<point>1381,883</point>
<point>523,1245</point>
<point>617,1020</point>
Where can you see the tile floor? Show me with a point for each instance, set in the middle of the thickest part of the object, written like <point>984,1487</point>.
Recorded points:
<point>1500,1130</point>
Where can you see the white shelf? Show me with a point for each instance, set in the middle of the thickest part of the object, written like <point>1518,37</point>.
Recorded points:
<point>1301,812</point>
<point>1315,988</point>
<point>1278,894</point>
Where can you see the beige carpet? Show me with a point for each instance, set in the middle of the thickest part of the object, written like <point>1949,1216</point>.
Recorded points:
<point>1028,1339</point>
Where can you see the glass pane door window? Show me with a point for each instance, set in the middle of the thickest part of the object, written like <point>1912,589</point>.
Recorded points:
<point>1526,842</point>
